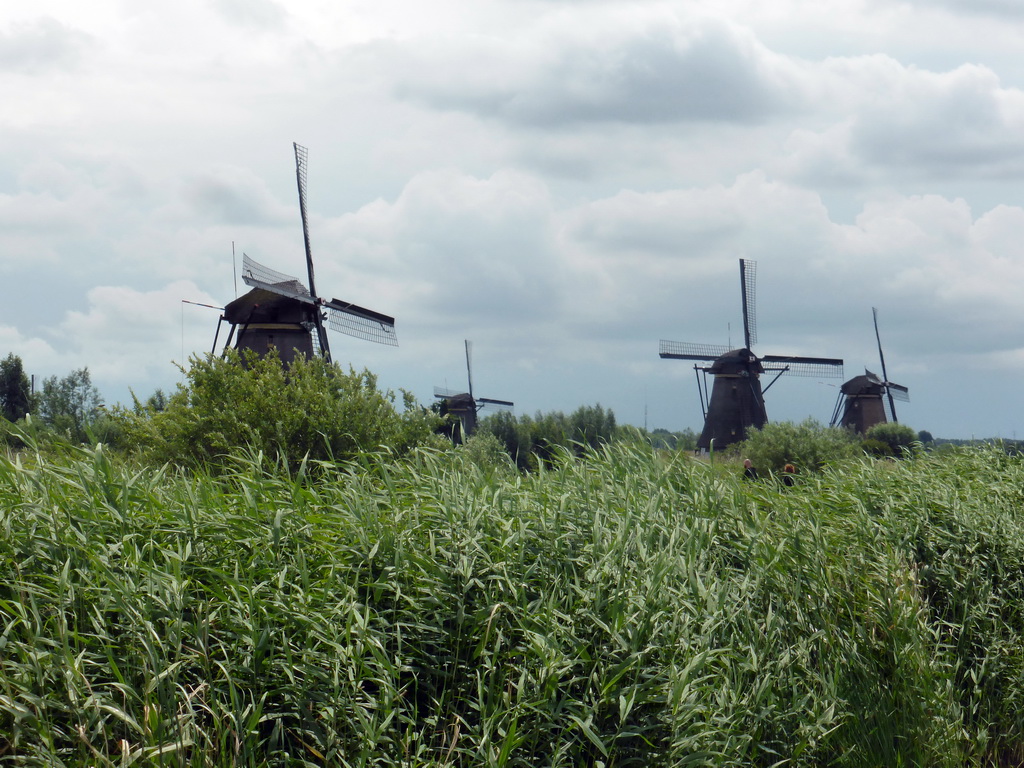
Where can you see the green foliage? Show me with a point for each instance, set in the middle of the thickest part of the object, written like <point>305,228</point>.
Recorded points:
<point>311,409</point>
<point>69,405</point>
<point>876,448</point>
<point>540,439</point>
<point>808,445</point>
<point>924,436</point>
<point>680,441</point>
<point>15,389</point>
<point>899,437</point>
<point>487,452</point>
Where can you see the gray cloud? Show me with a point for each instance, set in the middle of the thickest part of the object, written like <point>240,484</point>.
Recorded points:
<point>233,196</point>
<point>944,123</point>
<point>40,46</point>
<point>662,74</point>
<point>1011,9</point>
<point>251,13</point>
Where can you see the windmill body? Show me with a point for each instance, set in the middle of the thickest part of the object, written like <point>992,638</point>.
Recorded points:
<point>282,313</point>
<point>736,403</point>
<point>266,320</point>
<point>861,403</point>
<point>463,407</point>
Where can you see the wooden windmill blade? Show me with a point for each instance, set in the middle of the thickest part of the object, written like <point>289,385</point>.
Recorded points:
<point>684,350</point>
<point>898,392</point>
<point>490,401</point>
<point>258,275</point>
<point>360,322</point>
<point>748,290</point>
<point>890,388</point>
<point>812,367</point>
<point>481,402</point>
<point>301,158</point>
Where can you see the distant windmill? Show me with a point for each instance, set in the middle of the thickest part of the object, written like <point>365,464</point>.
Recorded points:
<point>463,406</point>
<point>280,312</point>
<point>860,405</point>
<point>737,399</point>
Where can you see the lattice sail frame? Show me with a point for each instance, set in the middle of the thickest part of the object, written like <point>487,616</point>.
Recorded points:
<point>810,367</point>
<point>684,350</point>
<point>261,276</point>
<point>748,287</point>
<point>362,323</point>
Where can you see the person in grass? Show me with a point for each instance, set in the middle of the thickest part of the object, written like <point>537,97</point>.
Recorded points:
<point>789,475</point>
<point>749,473</point>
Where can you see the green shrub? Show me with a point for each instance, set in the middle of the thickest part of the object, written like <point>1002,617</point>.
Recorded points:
<point>540,439</point>
<point>808,446</point>
<point>899,437</point>
<point>309,409</point>
<point>877,448</point>
<point>487,452</point>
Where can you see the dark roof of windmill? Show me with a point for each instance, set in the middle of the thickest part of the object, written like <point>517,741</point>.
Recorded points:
<point>737,362</point>
<point>460,402</point>
<point>865,384</point>
<point>260,306</point>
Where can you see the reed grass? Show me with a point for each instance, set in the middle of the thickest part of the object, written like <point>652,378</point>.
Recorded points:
<point>624,609</point>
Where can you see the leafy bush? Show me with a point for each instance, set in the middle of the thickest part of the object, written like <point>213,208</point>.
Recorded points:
<point>876,448</point>
<point>680,441</point>
<point>808,445</point>
<point>311,408</point>
<point>899,437</point>
<point>487,452</point>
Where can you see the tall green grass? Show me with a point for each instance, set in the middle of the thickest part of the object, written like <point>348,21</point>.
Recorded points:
<point>626,609</point>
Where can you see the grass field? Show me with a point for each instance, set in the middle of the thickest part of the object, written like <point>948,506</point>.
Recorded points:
<point>626,609</point>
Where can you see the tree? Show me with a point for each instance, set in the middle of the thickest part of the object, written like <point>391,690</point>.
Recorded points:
<point>70,404</point>
<point>592,425</point>
<point>15,389</point>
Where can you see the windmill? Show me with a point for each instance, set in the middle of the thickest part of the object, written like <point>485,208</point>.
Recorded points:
<point>463,406</point>
<point>281,312</point>
<point>737,400</point>
<point>860,404</point>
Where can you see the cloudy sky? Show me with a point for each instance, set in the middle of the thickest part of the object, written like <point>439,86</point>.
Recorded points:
<point>564,182</point>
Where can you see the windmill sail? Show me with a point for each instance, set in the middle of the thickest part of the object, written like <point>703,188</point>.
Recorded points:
<point>683,350</point>
<point>748,290</point>
<point>301,157</point>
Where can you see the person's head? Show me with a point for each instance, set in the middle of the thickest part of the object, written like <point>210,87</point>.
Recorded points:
<point>789,468</point>
<point>747,463</point>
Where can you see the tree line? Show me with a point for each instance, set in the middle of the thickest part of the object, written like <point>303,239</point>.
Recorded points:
<point>314,411</point>
<point>67,404</point>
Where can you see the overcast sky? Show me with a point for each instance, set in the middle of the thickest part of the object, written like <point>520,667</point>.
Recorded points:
<point>564,182</point>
